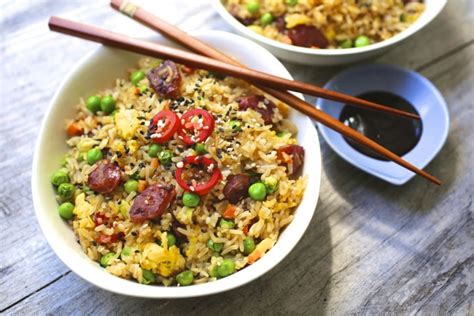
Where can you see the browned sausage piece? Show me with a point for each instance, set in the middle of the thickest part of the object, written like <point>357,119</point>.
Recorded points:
<point>253,101</point>
<point>166,79</point>
<point>307,36</point>
<point>105,177</point>
<point>236,187</point>
<point>152,202</point>
<point>280,24</point>
<point>293,159</point>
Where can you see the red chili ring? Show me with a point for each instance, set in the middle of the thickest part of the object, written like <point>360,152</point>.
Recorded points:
<point>200,188</point>
<point>198,133</point>
<point>161,134</point>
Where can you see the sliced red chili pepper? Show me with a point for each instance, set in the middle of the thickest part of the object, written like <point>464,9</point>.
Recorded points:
<point>163,126</point>
<point>196,126</point>
<point>209,166</point>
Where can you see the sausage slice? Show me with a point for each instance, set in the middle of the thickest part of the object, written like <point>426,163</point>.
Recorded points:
<point>152,203</point>
<point>105,177</point>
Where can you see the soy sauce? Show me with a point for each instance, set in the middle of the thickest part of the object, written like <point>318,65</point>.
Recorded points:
<point>398,134</point>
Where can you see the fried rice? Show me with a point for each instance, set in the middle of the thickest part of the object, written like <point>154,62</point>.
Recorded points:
<point>143,251</point>
<point>340,22</point>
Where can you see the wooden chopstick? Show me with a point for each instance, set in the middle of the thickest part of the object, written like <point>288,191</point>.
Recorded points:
<point>198,61</point>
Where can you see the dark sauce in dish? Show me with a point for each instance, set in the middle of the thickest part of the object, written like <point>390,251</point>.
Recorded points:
<point>398,134</point>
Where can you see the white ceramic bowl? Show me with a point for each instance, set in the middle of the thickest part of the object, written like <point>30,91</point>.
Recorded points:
<point>327,57</point>
<point>98,71</point>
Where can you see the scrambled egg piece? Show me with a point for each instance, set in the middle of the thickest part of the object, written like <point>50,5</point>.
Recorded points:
<point>126,122</point>
<point>82,209</point>
<point>161,260</point>
<point>295,19</point>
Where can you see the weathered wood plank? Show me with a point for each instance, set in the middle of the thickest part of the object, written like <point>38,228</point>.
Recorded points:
<point>371,247</point>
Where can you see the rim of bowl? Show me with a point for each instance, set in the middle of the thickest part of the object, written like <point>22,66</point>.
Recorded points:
<point>118,285</point>
<point>412,29</point>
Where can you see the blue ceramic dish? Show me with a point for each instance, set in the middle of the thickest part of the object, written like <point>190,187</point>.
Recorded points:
<point>410,85</point>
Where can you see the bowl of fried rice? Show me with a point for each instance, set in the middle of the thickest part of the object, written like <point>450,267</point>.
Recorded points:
<point>153,179</point>
<point>328,32</point>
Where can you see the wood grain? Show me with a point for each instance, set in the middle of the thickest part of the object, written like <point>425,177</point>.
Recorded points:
<point>371,248</point>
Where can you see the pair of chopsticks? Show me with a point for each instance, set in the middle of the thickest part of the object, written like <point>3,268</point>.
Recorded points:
<point>218,62</point>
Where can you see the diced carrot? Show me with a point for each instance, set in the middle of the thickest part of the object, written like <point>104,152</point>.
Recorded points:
<point>154,163</point>
<point>187,70</point>
<point>142,184</point>
<point>73,129</point>
<point>260,250</point>
<point>254,256</point>
<point>246,230</point>
<point>137,91</point>
<point>229,211</point>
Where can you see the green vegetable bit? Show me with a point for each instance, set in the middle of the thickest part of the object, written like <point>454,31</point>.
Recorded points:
<point>215,246</point>
<point>66,210</point>
<point>291,2</point>
<point>93,103</point>
<point>213,272</point>
<point>165,157</point>
<point>258,191</point>
<point>171,239</point>
<point>66,191</point>
<point>131,186</point>
<point>226,268</point>
<point>94,155</point>
<point>235,125</point>
<point>200,149</point>
<point>148,277</point>
<point>282,134</point>
<point>266,18</point>
<point>224,223</point>
<point>362,41</point>
<point>249,245</point>
<point>271,184</point>
<point>126,251</point>
<point>106,259</point>
<point>185,277</point>
<point>154,150</point>
<point>59,177</point>
<point>346,44</point>
<point>107,104</point>
<point>124,207</point>
<point>253,6</point>
<point>191,199</point>
<point>136,77</point>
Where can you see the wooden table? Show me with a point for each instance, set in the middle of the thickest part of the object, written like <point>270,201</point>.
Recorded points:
<point>371,248</point>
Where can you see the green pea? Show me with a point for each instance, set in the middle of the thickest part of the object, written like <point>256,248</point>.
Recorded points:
<point>266,18</point>
<point>253,6</point>
<point>165,157</point>
<point>136,77</point>
<point>59,177</point>
<point>403,17</point>
<point>148,276</point>
<point>213,272</point>
<point>226,268</point>
<point>154,150</point>
<point>66,210</point>
<point>249,245</point>
<point>282,134</point>
<point>224,223</point>
<point>362,41</point>
<point>93,103</point>
<point>191,199</point>
<point>258,191</point>
<point>66,191</point>
<point>235,125</point>
<point>346,44</point>
<point>215,246</point>
<point>200,149</point>
<point>126,251</point>
<point>271,184</point>
<point>185,277</point>
<point>171,239</point>
<point>94,155</point>
<point>131,186</point>
<point>291,2</point>
<point>106,259</point>
<point>107,104</point>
